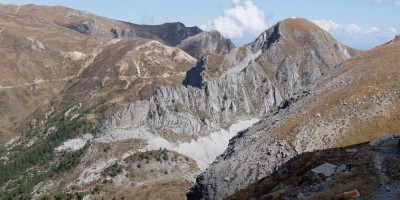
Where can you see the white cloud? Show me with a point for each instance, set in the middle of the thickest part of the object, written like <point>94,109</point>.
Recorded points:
<point>236,2</point>
<point>357,32</point>
<point>327,24</point>
<point>395,2</point>
<point>242,18</point>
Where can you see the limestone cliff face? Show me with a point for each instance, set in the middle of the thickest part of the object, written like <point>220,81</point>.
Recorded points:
<point>261,76</point>
<point>193,111</point>
<point>205,43</point>
<point>297,53</point>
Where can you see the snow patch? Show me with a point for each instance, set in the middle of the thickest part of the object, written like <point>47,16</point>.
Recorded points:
<point>11,142</point>
<point>38,81</point>
<point>75,56</point>
<point>113,41</point>
<point>204,150</point>
<point>40,45</point>
<point>68,112</point>
<point>344,50</point>
<point>153,141</point>
<point>74,144</point>
<point>35,45</point>
<point>243,64</point>
<point>93,172</point>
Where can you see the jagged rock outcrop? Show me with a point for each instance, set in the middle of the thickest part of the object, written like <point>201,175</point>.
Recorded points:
<point>135,70</point>
<point>193,111</point>
<point>205,43</point>
<point>88,27</point>
<point>353,103</point>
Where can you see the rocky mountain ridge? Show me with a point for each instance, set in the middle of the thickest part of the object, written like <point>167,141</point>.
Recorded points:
<point>356,102</point>
<point>233,92</point>
<point>245,90</point>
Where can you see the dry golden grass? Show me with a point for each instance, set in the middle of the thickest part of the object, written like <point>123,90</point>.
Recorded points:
<point>216,64</point>
<point>170,189</point>
<point>363,176</point>
<point>241,52</point>
<point>377,127</point>
<point>374,67</point>
<point>21,64</point>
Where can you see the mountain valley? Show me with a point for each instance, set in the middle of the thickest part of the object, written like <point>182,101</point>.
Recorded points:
<point>95,108</point>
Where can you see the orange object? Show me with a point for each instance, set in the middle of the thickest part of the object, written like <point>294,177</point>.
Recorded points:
<point>349,194</point>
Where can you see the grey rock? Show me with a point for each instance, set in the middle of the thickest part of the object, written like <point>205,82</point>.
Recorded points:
<point>382,139</point>
<point>342,168</point>
<point>205,43</point>
<point>194,111</point>
<point>351,150</point>
<point>326,170</point>
<point>88,27</point>
<point>124,33</point>
<point>170,34</point>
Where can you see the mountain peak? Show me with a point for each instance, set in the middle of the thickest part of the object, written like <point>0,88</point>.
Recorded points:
<point>295,35</point>
<point>205,43</point>
<point>299,23</point>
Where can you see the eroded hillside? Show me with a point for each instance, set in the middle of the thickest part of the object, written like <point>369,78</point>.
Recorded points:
<point>356,102</point>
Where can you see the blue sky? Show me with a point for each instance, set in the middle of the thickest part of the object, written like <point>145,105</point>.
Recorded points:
<point>362,24</point>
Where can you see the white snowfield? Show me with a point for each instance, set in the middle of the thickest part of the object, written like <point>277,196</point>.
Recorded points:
<point>243,64</point>
<point>74,144</point>
<point>204,150</point>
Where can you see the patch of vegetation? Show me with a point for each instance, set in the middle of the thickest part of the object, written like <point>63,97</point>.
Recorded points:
<point>96,190</point>
<point>158,155</point>
<point>177,107</point>
<point>112,170</point>
<point>66,196</point>
<point>393,168</point>
<point>106,148</point>
<point>37,163</point>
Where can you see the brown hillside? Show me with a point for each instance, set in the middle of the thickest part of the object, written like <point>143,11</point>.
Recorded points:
<point>34,66</point>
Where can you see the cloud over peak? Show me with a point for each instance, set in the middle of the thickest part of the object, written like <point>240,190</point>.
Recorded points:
<point>395,2</point>
<point>355,31</point>
<point>240,19</point>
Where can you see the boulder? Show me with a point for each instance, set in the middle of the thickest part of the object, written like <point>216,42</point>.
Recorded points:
<point>326,170</point>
